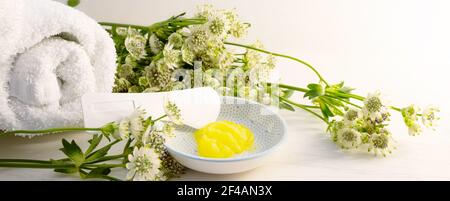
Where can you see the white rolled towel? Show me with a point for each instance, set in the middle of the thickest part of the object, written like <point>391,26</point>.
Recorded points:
<point>50,55</point>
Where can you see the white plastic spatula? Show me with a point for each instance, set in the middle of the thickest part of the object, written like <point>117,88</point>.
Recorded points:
<point>198,106</point>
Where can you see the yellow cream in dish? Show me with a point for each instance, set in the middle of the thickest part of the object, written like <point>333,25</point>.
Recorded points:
<point>223,139</point>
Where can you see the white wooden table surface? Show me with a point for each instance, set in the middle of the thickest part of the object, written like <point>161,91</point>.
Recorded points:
<point>400,47</point>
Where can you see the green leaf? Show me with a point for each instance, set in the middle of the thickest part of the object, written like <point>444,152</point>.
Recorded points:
<point>332,101</point>
<point>127,149</point>
<point>98,172</point>
<point>335,110</point>
<point>66,170</point>
<point>315,90</point>
<point>340,85</point>
<point>346,89</point>
<point>340,88</point>
<point>288,93</point>
<point>82,174</point>
<point>73,151</point>
<point>325,110</point>
<point>73,3</point>
<point>63,170</point>
<point>100,153</point>
<point>314,86</point>
<point>286,106</point>
<point>109,128</point>
<point>333,105</point>
<point>96,139</point>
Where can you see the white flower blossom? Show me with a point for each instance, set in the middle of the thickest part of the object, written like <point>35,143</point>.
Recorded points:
<point>122,31</point>
<point>176,40</point>
<point>135,45</point>
<point>144,139</point>
<point>348,138</point>
<point>271,62</point>
<point>374,107</point>
<point>218,25</point>
<point>125,70</point>
<point>253,58</point>
<point>381,143</point>
<point>205,11</point>
<point>411,119</point>
<point>144,165</point>
<point>156,45</point>
<point>137,119</point>
<point>130,60</point>
<point>238,29</point>
<point>173,112</point>
<point>168,130</point>
<point>225,60</point>
<point>184,31</point>
<point>429,116</point>
<point>172,57</point>
<point>259,73</point>
<point>198,39</point>
<point>187,54</point>
<point>352,115</point>
<point>124,129</point>
<point>414,129</point>
<point>132,32</point>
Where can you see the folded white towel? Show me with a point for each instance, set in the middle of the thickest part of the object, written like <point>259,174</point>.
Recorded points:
<point>50,55</point>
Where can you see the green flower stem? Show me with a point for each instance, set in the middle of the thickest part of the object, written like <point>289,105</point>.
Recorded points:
<point>122,25</point>
<point>292,87</point>
<point>346,95</point>
<point>34,165</point>
<point>106,158</point>
<point>281,55</point>
<point>174,21</point>
<point>345,101</point>
<point>29,163</point>
<point>48,131</point>
<point>302,105</point>
<point>159,118</point>
<point>104,165</point>
<point>304,108</point>
<point>396,108</point>
<point>24,161</point>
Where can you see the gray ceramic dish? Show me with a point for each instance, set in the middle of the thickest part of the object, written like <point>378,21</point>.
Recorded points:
<point>268,127</point>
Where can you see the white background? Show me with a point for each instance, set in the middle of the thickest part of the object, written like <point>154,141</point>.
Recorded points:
<point>400,47</point>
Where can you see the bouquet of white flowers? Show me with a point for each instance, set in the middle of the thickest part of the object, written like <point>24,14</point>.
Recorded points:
<point>181,53</point>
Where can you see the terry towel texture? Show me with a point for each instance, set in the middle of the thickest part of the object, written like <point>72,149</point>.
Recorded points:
<point>50,55</point>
